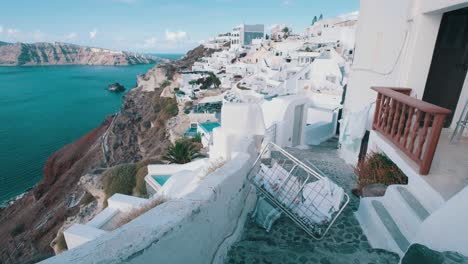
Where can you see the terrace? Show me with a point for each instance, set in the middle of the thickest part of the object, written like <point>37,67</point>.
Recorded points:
<point>411,132</point>
<point>210,223</point>
<point>287,243</point>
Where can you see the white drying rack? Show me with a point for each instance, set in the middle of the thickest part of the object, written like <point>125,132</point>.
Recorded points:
<point>304,194</point>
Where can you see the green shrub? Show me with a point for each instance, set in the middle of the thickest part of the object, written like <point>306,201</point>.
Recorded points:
<point>240,87</point>
<point>87,199</point>
<point>169,106</point>
<point>140,185</point>
<point>172,110</point>
<point>183,151</point>
<point>142,171</point>
<point>197,138</point>
<point>165,84</point>
<point>376,168</point>
<point>18,229</point>
<point>119,179</point>
<point>61,244</point>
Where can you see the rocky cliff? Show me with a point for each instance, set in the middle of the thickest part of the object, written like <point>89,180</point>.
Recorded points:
<point>21,54</point>
<point>137,132</point>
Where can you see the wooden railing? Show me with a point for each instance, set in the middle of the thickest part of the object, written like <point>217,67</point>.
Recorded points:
<point>414,126</point>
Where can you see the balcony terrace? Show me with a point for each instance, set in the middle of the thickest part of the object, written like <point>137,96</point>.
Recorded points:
<point>411,132</point>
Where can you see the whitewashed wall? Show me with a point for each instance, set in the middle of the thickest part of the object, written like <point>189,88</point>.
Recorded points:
<point>395,41</point>
<point>446,229</point>
<point>280,111</point>
<point>197,228</point>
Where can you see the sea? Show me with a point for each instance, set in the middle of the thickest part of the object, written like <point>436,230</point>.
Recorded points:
<point>43,108</point>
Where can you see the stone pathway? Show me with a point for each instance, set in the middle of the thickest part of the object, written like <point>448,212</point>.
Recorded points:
<point>287,243</point>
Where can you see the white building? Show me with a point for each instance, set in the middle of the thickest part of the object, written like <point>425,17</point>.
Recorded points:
<point>243,35</point>
<point>419,48</point>
<point>219,41</point>
<point>340,31</point>
<point>277,31</point>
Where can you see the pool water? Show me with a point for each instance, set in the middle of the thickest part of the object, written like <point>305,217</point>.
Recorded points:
<point>191,132</point>
<point>161,179</point>
<point>209,126</point>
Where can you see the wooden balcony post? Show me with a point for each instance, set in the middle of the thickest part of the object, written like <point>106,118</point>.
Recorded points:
<point>399,115</point>
<point>434,136</point>
<point>378,103</point>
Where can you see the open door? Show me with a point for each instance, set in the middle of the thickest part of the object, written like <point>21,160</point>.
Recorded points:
<point>298,123</point>
<point>449,62</point>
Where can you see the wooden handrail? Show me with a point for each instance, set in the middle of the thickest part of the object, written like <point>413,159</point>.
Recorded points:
<point>408,100</point>
<point>414,126</point>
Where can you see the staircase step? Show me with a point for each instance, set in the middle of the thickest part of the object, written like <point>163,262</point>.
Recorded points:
<point>373,227</point>
<point>404,215</point>
<point>390,225</point>
<point>414,203</point>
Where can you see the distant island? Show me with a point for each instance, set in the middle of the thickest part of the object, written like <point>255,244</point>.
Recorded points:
<point>57,53</point>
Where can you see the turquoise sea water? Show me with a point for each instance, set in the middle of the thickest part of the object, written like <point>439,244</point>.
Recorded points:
<point>44,108</point>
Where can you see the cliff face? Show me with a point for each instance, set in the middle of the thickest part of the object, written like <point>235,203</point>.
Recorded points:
<point>19,54</point>
<point>137,132</point>
<point>29,225</point>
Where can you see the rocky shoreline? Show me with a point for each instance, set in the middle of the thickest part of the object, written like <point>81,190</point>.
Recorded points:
<point>137,133</point>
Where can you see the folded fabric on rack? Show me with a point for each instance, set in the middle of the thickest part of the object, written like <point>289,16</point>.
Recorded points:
<point>265,214</point>
<point>315,202</point>
<point>323,196</point>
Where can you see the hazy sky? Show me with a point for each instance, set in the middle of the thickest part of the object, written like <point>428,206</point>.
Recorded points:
<point>151,25</point>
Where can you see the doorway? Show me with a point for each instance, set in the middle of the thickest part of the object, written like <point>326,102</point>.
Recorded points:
<point>297,126</point>
<point>449,64</point>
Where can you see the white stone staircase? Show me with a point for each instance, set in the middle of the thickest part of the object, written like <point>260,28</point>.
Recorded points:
<point>392,222</point>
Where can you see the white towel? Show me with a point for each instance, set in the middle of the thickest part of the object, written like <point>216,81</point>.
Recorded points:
<point>316,202</point>
<point>323,196</point>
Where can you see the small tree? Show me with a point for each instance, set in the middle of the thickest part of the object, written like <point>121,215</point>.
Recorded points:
<point>285,30</point>
<point>183,151</point>
<point>216,81</point>
<point>320,17</point>
<point>193,82</point>
<point>314,20</point>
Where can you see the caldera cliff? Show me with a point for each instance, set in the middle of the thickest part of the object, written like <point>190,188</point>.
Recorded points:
<point>30,226</point>
<point>57,53</point>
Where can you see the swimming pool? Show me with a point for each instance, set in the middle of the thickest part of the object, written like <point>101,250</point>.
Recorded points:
<point>191,132</point>
<point>161,179</point>
<point>209,126</point>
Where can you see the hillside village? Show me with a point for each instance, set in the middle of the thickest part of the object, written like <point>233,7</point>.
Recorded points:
<point>299,146</point>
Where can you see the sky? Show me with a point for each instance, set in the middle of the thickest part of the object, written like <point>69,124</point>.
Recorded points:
<point>152,26</point>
